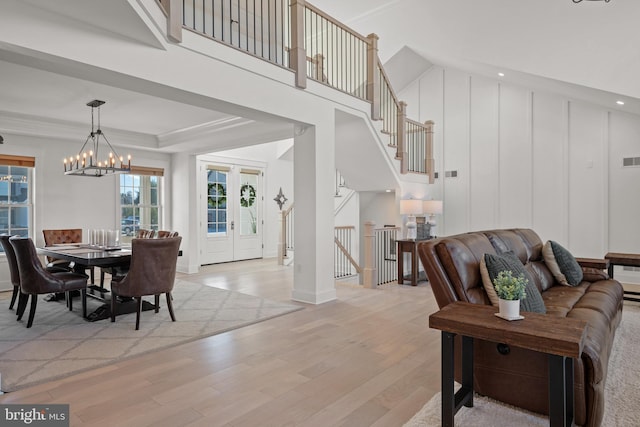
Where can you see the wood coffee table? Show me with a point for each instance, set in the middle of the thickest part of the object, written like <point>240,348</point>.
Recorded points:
<point>561,340</point>
<point>629,260</point>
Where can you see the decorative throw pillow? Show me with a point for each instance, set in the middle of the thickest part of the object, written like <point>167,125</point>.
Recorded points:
<point>491,265</point>
<point>562,264</point>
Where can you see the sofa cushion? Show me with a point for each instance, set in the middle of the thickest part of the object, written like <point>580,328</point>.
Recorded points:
<point>507,240</point>
<point>491,265</point>
<point>562,264</point>
<point>459,259</point>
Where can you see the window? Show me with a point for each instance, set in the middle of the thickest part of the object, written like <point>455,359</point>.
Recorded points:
<point>16,188</point>
<point>217,201</point>
<point>140,203</point>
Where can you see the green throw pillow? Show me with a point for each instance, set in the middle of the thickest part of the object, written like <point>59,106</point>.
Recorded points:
<point>562,264</point>
<point>509,261</point>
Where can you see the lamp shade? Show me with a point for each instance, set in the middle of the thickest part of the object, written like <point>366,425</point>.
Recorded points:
<point>410,207</point>
<point>432,206</point>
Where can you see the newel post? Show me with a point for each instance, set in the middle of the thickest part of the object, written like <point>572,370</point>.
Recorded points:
<point>369,271</point>
<point>373,77</point>
<point>430,162</point>
<point>298,58</point>
<point>401,130</point>
<point>174,19</point>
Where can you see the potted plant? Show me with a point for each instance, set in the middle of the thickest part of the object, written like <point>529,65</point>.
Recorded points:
<point>510,291</point>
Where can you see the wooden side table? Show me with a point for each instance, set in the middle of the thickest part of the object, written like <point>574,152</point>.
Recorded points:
<point>629,260</point>
<point>561,340</point>
<point>408,246</point>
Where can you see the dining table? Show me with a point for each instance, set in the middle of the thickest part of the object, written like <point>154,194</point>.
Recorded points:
<point>83,255</point>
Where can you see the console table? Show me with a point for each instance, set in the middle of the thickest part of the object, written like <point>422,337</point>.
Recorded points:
<point>562,341</point>
<point>408,246</point>
<point>629,260</point>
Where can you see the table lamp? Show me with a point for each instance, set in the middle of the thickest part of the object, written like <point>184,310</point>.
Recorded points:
<point>411,208</point>
<point>433,208</point>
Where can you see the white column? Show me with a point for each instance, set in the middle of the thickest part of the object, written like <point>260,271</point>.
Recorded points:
<point>314,171</point>
<point>184,209</point>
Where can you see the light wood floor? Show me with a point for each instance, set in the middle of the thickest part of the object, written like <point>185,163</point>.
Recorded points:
<point>367,359</point>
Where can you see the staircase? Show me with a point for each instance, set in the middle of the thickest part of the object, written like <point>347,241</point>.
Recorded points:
<point>296,35</point>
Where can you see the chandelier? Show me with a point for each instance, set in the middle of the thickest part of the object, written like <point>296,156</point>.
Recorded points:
<point>88,163</point>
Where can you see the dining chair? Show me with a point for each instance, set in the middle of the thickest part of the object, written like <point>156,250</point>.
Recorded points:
<point>145,234</point>
<point>118,272</point>
<point>62,236</point>
<point>163,234</point>
<point>13,267</point>
<point>152,272</point>
<point>36,280</point>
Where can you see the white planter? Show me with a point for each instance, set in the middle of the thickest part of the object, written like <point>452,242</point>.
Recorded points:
<point>509,309</point>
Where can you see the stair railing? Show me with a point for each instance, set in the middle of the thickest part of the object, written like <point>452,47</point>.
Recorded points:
<point>419,141</point>
<point>344,265</point>
<point>258,27</point>
<point>297,35</point>
<point>380,257</point>
<point>390,110</point>
<point>339,53</point>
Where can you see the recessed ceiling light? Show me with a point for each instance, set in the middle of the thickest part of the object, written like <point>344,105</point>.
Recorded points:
<point>620,102</point>
<point>501,74</point>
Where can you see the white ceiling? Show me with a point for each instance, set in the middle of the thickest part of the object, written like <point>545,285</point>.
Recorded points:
<point>64,98</point>
<point>592,44</point>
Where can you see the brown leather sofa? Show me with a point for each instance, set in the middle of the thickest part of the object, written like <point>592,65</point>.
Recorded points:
<point>517,376</point>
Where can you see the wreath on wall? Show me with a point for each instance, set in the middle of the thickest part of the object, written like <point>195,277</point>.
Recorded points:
<point>217,196</point>
<point>247,195</point>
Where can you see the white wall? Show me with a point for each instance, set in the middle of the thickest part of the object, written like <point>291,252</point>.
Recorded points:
<point>528,158</point>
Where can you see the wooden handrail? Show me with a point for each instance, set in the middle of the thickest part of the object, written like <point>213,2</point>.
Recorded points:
<point>388,82</point>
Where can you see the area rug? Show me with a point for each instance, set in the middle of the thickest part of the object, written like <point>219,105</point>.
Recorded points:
<point>622,393</point>
<point>61,343</point>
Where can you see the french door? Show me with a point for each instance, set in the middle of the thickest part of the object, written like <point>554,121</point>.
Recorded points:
<point>232,202</point>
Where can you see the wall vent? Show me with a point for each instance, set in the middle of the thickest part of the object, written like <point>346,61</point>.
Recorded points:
<point>451,174</point>
<point>630,161</point>
<point>435,175</point>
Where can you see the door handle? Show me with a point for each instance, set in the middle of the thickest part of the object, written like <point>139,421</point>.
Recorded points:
<point>232,225</point>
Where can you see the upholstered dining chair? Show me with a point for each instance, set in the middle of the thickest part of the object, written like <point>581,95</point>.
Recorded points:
<point>13,267</point>
<point>163,234</point>
<point>152,272</point>
<point>36,280</point>
<point>145,234</point>
<point>62,236</point>
<point>117,273</point>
